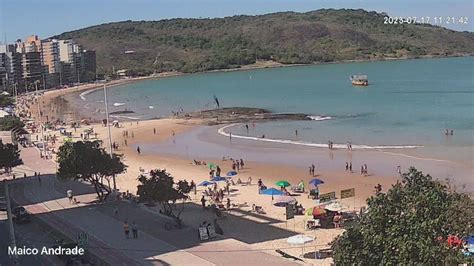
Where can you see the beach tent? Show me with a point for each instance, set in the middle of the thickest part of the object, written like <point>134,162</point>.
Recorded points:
<point>282,201</point>
<point>4,93</point>
<point>218,179</point>
<point>283,183</point>
<point>272,192</point>
<point>316,182</point>
<point>206,183</point>
<point>298,240</point>
<point>231,173</point>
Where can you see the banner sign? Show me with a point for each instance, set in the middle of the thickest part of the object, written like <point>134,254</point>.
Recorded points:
<point>290,211</point>
<point>327,197</point>
<point>347,193</point>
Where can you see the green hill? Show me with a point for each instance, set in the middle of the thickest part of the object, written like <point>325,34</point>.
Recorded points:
<point>193,45</point>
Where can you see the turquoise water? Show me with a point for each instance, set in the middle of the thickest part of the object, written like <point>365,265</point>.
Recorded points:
<point>408,102</point>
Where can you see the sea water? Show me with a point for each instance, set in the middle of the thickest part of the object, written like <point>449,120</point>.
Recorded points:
<point>408,104</point>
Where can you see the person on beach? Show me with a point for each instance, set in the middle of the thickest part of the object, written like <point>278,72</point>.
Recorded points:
<point>138,150</point>
<point>154,131</point>
<point>446,132</point>
<point>135,228</point>
<point>116,211</point>
<point>399,170</point>
<point>39,179</point>
<point>365,170</point>
<point>241,163</point>
<point>228,204</point>
<point>230,137</point>
<point>296,132</point>
<point>361,170</point>
<point>452,132</point>
<point>203,202</point>
<point>237,163</point>
<point>126,229</point>
<point>247,127</point>
<point>347,166</point>
<point>350,167</point>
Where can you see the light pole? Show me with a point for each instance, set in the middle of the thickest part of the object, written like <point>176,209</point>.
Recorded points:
<point>108,129</point>
<point>40,117</point>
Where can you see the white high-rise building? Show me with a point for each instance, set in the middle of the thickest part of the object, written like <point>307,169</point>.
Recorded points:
<point>66,51</point>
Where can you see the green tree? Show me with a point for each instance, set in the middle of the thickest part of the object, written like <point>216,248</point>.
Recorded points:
<point>408,225</point>
<point>89,162</point>
<point>5,101</point>
<point>9,156</point>
<point>10,122</point>
<point>160,187</point>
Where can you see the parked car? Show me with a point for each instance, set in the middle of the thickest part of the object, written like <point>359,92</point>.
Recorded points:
<point>20,215</point>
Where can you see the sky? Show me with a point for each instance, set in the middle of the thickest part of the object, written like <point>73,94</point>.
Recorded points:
<point>20,18</point>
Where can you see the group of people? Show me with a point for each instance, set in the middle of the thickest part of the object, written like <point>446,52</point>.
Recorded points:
<point>349,166</point>
<point>448,132</point>
<point>363,170</point>
<point>237,164</point>
<point>126,229</point>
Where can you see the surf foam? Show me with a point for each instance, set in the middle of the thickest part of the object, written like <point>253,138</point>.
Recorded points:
<point>222,132</point>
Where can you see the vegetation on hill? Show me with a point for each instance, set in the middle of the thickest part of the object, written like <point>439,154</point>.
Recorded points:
<point>419,221</point>
<point>193,45</point>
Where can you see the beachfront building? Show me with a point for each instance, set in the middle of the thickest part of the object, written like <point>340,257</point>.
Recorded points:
<point>49,63</point>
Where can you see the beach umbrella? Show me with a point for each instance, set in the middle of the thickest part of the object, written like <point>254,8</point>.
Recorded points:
<point>283,183</point>
<point>282,201</point>
<point>231,173</point>
<point>272,192</point>
<point>211,165</point>
<point>298,240</point>
<point>206,183</point>
<point>316,182</point>
<point>218,179</point>
<point>334,207</point>
<point>315,211</point>
<point>5,93</point>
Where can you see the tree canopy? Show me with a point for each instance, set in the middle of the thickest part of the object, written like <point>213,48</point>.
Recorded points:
<point>10,122</point>
<point>408,225</point>
<point>5,101</point>
<point>9,156</point>
<point>160,187</point>
<point>89,162</point>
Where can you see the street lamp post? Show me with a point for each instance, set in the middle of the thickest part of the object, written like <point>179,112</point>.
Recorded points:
<point>108,129</point>
<point>40,118</point>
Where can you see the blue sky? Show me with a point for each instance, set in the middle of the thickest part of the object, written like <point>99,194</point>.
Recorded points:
<point>19,18</point>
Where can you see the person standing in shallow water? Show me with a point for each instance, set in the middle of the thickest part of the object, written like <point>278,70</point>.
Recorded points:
<point>138,150</point>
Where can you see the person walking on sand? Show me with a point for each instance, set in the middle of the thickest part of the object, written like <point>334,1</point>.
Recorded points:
<point>138,150</point>
<point>126,229</point>
<point>135,230</point>
<point>154,131</point>
<point>347,166</point>
<point>365,170</point>
<point>350,167</point>
<point>228,204</point>
<point>241,164</point>
<point>361,170</point>
<point>399,170</point>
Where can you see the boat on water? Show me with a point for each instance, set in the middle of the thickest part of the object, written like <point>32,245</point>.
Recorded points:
<point>359,80</point>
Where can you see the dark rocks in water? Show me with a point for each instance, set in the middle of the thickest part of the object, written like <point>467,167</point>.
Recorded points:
<point>241,114</point>
<point>122,112</point>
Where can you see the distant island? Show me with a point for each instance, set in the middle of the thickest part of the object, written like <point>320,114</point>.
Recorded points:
<point>326,35</point>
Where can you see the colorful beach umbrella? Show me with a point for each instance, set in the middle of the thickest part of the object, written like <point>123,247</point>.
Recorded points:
<point>315,211</point>
<point>231,173</point>
<point>282,201</point>
<point>283,183</point>
<point>271,191</point>
<point>211,165</point>
<point>299,240</point>
<point>218,179</point>
<point>206,183</point>
<point>316,182</point>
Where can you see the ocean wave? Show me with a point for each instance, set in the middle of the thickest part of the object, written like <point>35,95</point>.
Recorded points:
<point>222,132</point>
<point>118,104</point>
<point>126,117</point>
<point>83,94</point>
<point>319,117</point>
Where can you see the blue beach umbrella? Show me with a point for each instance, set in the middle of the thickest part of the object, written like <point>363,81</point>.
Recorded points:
<point>316,182</point>
<point>272,192</point>
<point>218,179</point>
<point>206,183</point>
<point>231,173</point>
